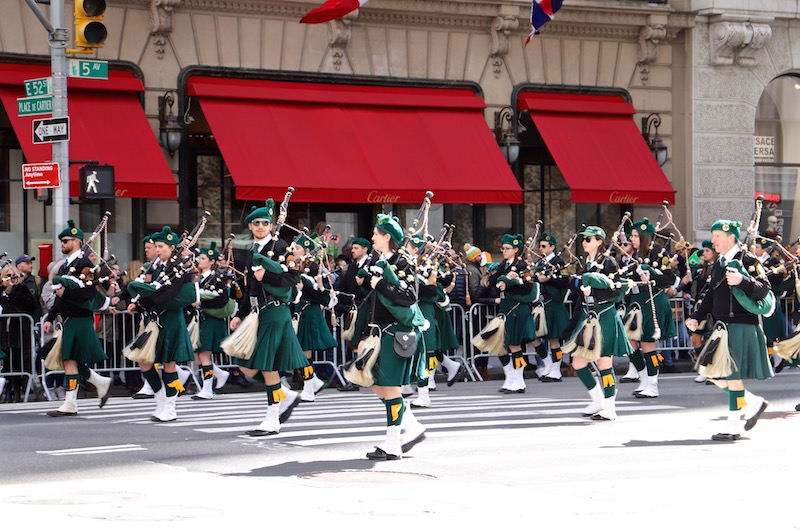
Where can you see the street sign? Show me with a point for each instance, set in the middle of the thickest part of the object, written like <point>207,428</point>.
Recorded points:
<point>85,68</point>
<point>40,175</point>
<point>39,87</point>
<point>50,130</point>
<point>35,105</point>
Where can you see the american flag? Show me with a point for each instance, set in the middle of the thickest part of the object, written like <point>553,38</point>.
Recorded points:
<point>542,12</point>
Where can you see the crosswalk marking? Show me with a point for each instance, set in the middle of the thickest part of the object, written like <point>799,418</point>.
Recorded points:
<point>338,419</point>
<point>95,450</point>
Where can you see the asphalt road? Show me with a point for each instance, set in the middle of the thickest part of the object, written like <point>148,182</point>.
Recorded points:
<point>489,460</point>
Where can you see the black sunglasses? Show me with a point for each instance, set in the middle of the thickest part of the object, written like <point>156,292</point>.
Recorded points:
<point>65,240</point>
<point>587,239</point>
<point>262,223</point>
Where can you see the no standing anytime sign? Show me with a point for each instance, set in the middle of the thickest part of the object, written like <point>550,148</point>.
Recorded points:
<point>40,175</point>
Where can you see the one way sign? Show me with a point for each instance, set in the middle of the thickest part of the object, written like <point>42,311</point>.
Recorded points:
<point>50,130</point>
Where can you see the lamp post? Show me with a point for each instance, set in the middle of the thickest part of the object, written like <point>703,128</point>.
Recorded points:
<point>656,145</point>
<point>169,127</point>
<point>506,138</point>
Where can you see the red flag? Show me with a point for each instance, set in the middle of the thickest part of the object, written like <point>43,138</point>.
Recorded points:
<point>331,10</point>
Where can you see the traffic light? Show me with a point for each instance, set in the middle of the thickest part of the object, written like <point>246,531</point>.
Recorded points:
<point>90,32</point>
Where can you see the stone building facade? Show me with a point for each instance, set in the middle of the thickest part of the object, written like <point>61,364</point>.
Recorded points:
<point>701,64</point>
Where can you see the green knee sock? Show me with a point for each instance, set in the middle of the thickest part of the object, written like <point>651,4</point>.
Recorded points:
<point>541,350</point>
<point>274,394</point>
<point>151,376</point>
<point>83,371</point>
<point>652,358</point>
<point>586,377</point>
<point>172,383</point>
<point>394,411</point>
<point>609,381</point>
<point>208,372</point>
<point>504,360</point>
<point>71,382</point>
<point>736,400</point>
<point>637,360</point>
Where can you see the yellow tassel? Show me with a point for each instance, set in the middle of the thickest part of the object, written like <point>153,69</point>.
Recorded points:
<point>433,363</point>
<point>73,384</point>
<point>608,381</point>
<point>396,411</point>
<point>559,355</point>
<point>177,385</point>
<point>208,374</point>
<point>740,403</point>
<point>278,396</point>
<point>654,359</point>
<point>308,372</point>
<point>519,362</point>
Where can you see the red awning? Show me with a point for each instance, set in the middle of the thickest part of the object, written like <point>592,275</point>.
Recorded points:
<point>354,143</point>
<point>107,124</point>
<point>598,148</point>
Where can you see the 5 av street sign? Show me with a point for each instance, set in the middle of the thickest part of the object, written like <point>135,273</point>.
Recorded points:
<point>40,175</point>
<point>50,130</point>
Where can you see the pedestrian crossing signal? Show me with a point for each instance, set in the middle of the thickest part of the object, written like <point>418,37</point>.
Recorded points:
<point>97,182</point>
<point>90,31</point>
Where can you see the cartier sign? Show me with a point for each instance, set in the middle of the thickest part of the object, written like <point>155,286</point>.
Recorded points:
<point>381,197</point>
<point>618,197</point>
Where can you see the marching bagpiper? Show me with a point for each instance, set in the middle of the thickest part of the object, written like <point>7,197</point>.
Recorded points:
<point>737,350</point>
<point>80,346</point>
<point>554,287</point>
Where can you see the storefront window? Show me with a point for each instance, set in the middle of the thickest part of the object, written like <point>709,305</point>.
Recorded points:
<point>777,156</point>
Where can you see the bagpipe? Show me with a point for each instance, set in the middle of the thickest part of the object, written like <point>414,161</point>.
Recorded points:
<point>13,275</point>
<point>550,270</point>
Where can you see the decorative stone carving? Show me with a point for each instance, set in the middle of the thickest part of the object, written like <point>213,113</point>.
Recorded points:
<point>161,23</point>
<point>339,37</point>
<point>502,26</point>
<point>649,37</point>
<point>735,40</point>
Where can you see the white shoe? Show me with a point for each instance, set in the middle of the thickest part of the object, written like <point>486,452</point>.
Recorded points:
<point>221,375</point>
<point>555,371</point>
<point>650,389</point>
<point>517,382</point>
<point>271,424</point>
<point>291,400</point>
<point>69,407</point>
<point>423,399</point>
<point>168,413</point>
<point>411,431</point>
<point>642,382</point>
<point>161,398</point>
<point>406,390</point>
<point>700,379</point>
<point>632,375</point>
<point>732,430</point>
<point>755,407</point>
<point>102,384</point>
<point>206,392</point>
<point>307,395</point>
<point>183,375</point>
<point>2,384</point>
<point>596,394</point>
<point>545,369</point>
<point>609,411</point>
<point>145,393</point>
<point>508,372</point>
<point>390,449</point>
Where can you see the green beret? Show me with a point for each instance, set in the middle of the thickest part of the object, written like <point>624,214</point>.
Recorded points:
<point>550,239</point>
<point>363,242</point>
<point>761,241</point>
<point>417,241</point>
<point>147,239</point>
<point>166,235</point>
<point>266,212</point>
<point>71,231</point>
<point>307,241</point>
<point>727,226</point>
<point>390,225</point>
<point>515,241</point>
<point>708,244</point>
<point>211,252</point>
<point>593,230</point>
<point>643,226</point>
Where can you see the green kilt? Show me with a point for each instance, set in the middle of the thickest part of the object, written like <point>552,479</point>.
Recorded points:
<point>80,342</point>
<point>774,326</point>
<point>312,329</point>
<point>556,316</point>
<point>212,332</point>
<point>394,370</point>
<point>666,321</point>
<point>748,347</point>
<point>430,335</point>
<point>277,347</point>
<point>615,339</point>
<point>520,328</point>
<point>445,331</point>
<point>174,343</point>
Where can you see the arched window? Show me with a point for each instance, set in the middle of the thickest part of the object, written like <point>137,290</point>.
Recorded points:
<point>777,156</point>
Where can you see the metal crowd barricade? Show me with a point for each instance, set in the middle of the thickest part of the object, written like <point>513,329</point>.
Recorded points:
<point>788,306</point>
<point>681,308</point>
<point>19,343</point>
<point>479,315</point>
<point>458,315</point>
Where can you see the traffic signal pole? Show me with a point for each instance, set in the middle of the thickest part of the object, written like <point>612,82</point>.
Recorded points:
<point>58,36</point>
